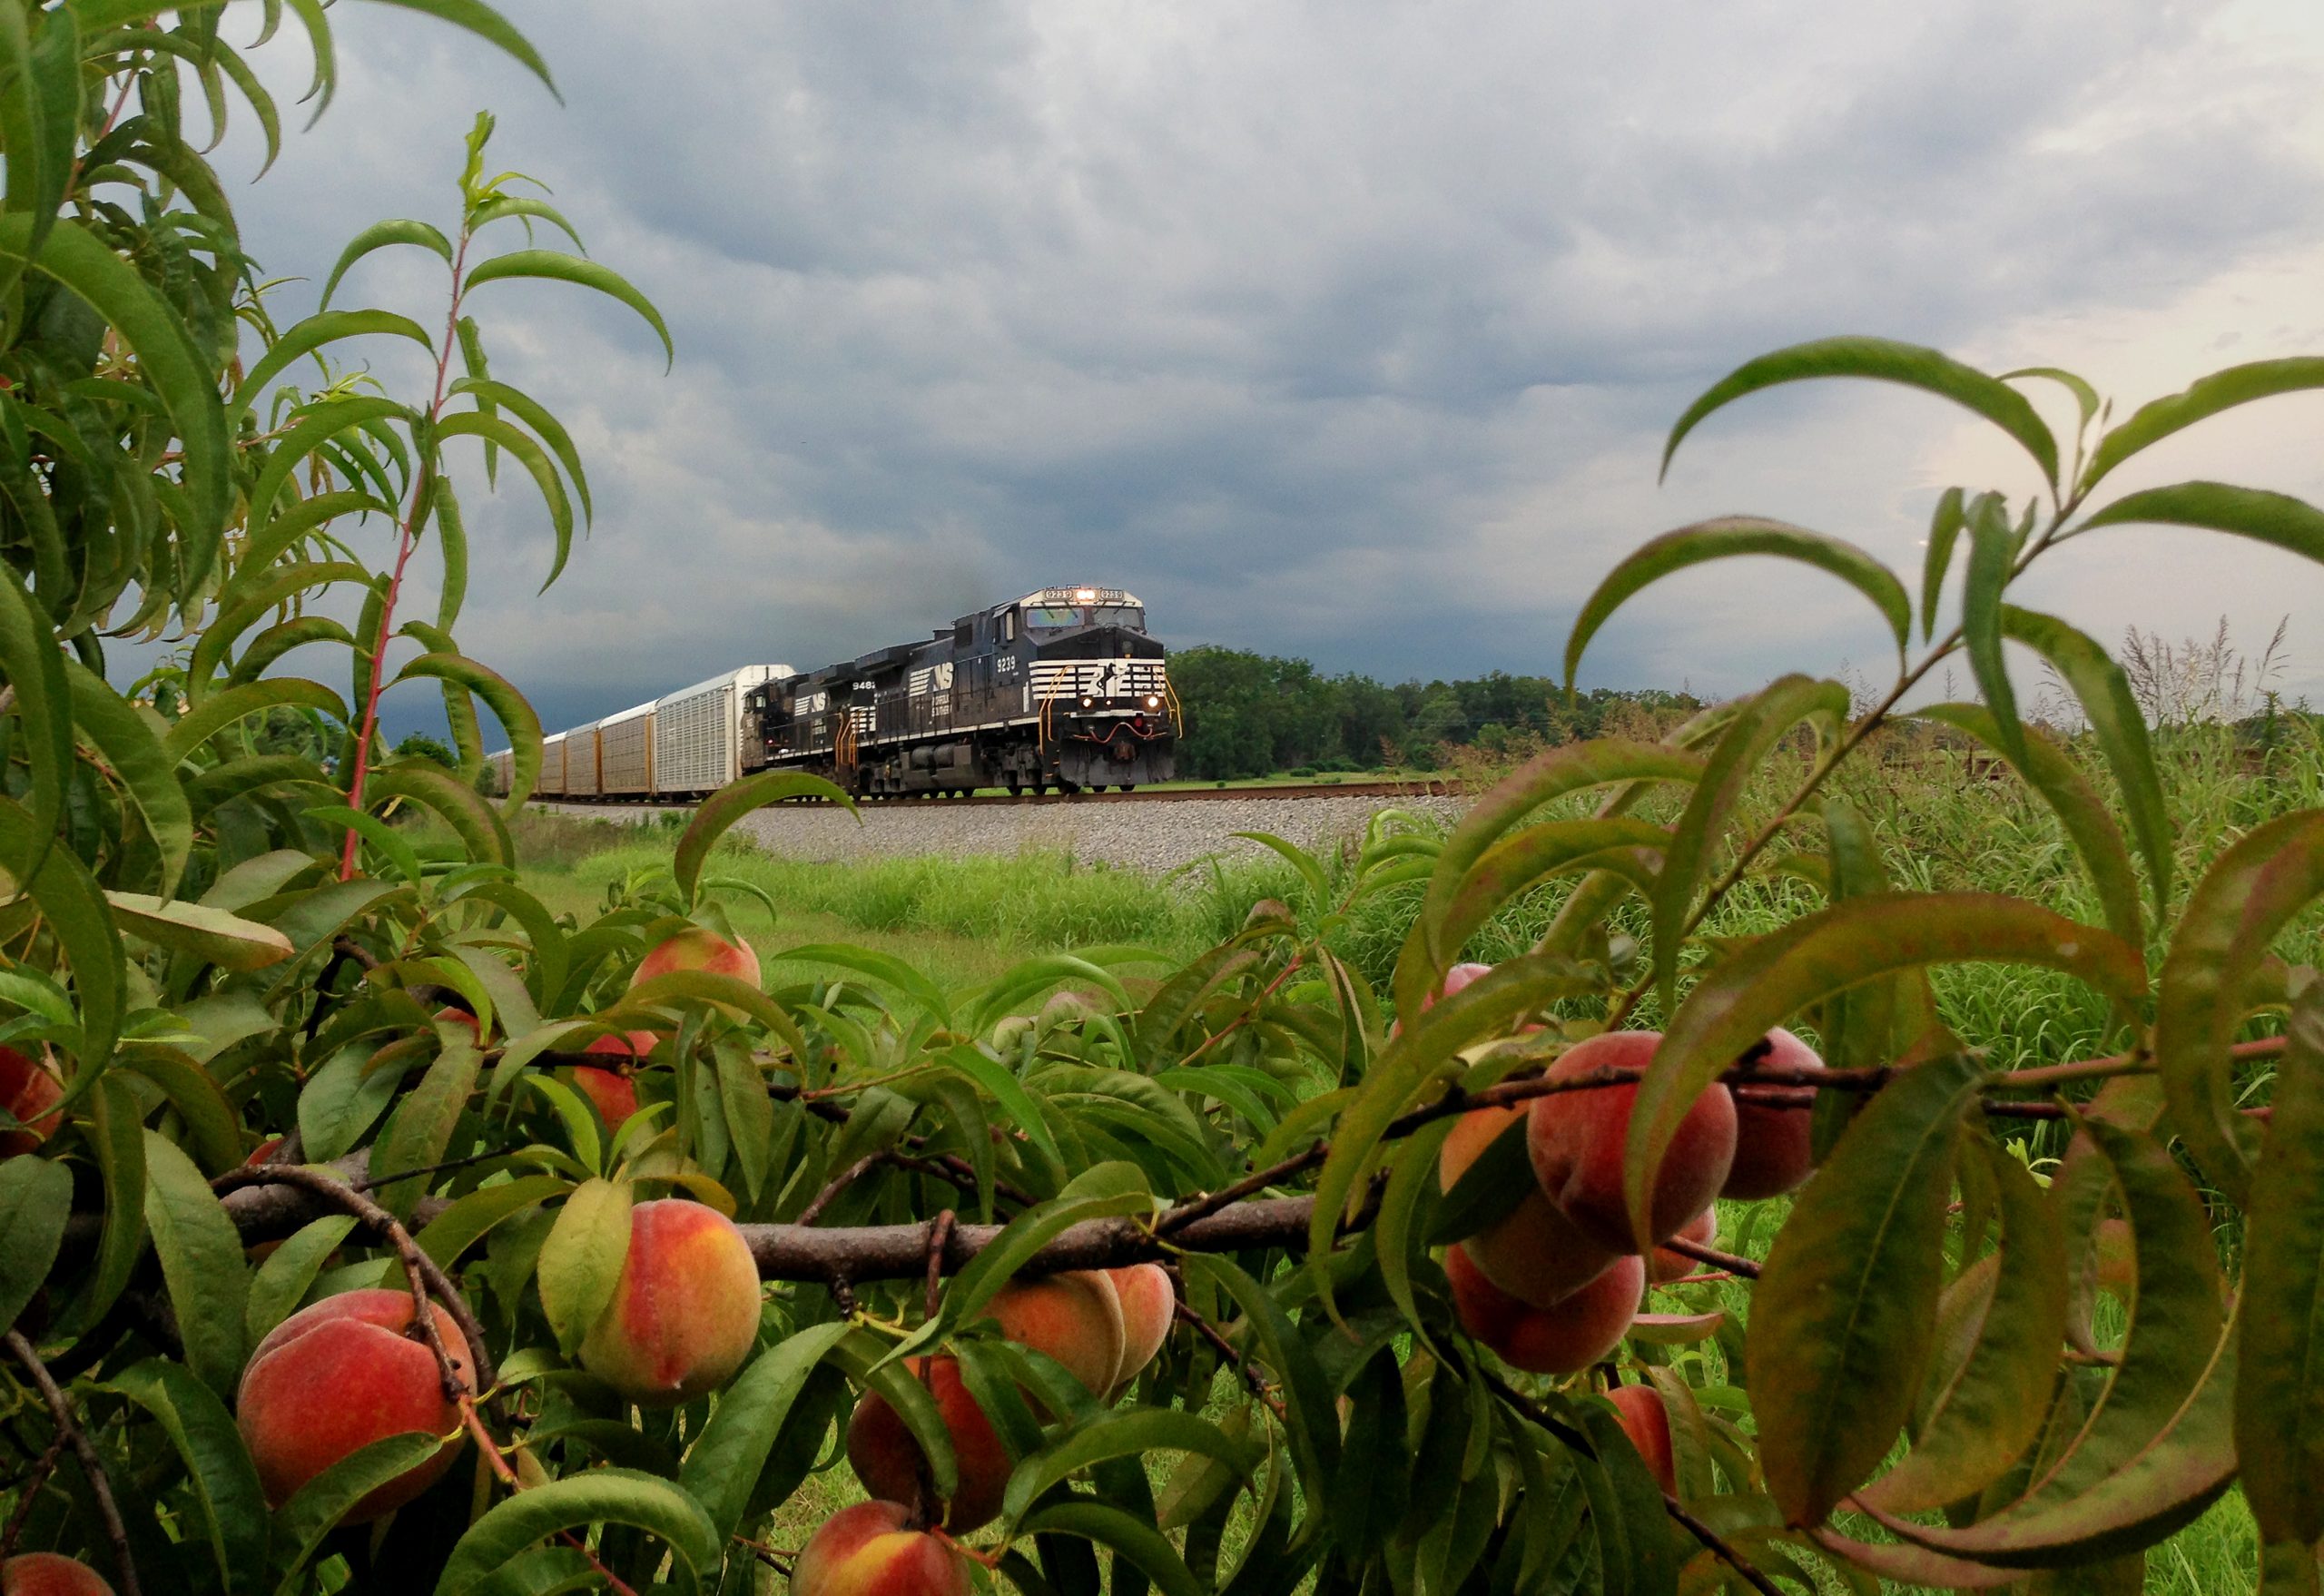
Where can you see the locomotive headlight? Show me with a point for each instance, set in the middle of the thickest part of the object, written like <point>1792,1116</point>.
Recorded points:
<point>1087,701</point>
<point>1085,595</point>
<point>1152,700</point>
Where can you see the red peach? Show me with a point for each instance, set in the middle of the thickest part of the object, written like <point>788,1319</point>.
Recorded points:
<point>1563,1339</point>
<point>612,1093</point>
<point>45,1574</point>
<point>887,1459</point>
<point>338,1375</point>
<point>1647,1423</point>
<point>872,1550</point>
<point>1664,1266</point>
<point>1577,1141</point>
<point>1075,1318</point>
<point>1533,1253</point>
<point>1774,1144</point>
<point>1459,976</point>
<point>699,948</point>
<point>1149,1302</point>
<point>685,1312</point>
<point>28,1091</point>
<point>451,1016</point>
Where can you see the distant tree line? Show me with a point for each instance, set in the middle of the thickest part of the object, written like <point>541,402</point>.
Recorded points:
<point>1252,715</point>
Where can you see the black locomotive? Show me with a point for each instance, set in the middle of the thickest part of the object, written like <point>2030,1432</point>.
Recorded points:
<point>1062,688</point>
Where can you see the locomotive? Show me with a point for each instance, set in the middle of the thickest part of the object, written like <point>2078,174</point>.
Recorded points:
<point>1062,688</point>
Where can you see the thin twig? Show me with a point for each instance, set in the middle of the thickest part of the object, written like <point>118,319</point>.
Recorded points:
<point>100,1486</point>
<point>1733,1263</point>
<point>1252,1377</point>
<point>508,1475</point>
<point>31,1483</point>
<point>838,1184</point>
<point>1719,1548</point>
<point>428,1278</point>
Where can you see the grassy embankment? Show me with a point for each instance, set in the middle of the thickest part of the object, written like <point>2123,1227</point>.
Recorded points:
<point>1943,829</point>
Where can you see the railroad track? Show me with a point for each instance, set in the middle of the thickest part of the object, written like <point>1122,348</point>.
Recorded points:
<point>1416,789</point>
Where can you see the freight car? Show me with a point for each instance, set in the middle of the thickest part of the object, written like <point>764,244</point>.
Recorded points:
<point>1061,688</point>
<point>687,746</point>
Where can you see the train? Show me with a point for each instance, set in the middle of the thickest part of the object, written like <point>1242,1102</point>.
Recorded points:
<point>1063,690</point>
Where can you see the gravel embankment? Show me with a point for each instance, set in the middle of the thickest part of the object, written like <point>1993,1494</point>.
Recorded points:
<point>1154,837</point>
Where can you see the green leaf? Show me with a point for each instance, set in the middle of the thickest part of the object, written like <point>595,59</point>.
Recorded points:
<point>730,804</point>
<point>1843,1310</point>
<point>2279,1400</point>
<point>1309,1419</point>
<point>145,771</point>
<point>212,935</point>
<point>1133,1433</point>
<point>2275,520</point>
<point>379,236</point>
<point>36,1200</point>
<point>166,359</point>
<point>582,1501</point>
<point>306,337</point>
<point>2207,397</point>
<point>469,1218</point>
<point>2208,984</point>
<point>1992,551</point>
<point>536,463</point>
<point>1543,778</point>
<point>517,208</point>
<point>582,1258</point>
<point>2049,771</point>
<point>288,1272</point>
<point>430,785</point>
<point>1993,1406</point>
<point>563,268</point>
<point>1131,1539</point>
<point>725,1462</point>
<point>301,1522</point>
<point>2160,1447</point>
<point>224,1482</point>
<point>1758,726</point>
<point>422,1129</point>
<point>2085,398</point>
<point>212,1129</point>
<point>509,706</point>
<point>1944,531</point>
<point>117,1138</point>
<point>202,1262</point>
<point>1883,361</point>
<point>490,395</point>
<point>1016,1103</point>
<point>1521,862</point>
<point>1749,993</point>
<point>341,1099</point>
<point>68,895</point>
<point>2118,724</point>
<point>29,655</point>
<point>487,25</point>
<point>1724,538</point>
<point>901,974</point>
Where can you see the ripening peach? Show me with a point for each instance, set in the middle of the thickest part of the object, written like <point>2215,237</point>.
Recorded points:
<point>28,1091</point>
<point>1459,976</point>
<point>612,1089</point>
<point>1579,1141</point>
<point>685,1313</point>
<point>886,1458</point>
<point>1664,1266</point>
<point>1646,1422</point>
<point>1562,1339</point>
<point>45,1574</point>
<point>873,1550</point>
<point>1149,1302</point>
<point>1774,1146</point>
<point>338,1375</point>
<point>1533,1253</point>
<point>699,948</point>
<point>1075,1318</point>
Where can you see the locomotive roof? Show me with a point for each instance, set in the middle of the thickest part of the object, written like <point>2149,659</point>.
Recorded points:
<point>1070,595</point>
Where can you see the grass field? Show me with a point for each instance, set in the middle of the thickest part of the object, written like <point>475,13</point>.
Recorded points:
<point>1941,826</point>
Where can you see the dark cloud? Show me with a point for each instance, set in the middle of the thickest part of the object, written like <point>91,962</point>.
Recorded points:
<point>1342,329</point>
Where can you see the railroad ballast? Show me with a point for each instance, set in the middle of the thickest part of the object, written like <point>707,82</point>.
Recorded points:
<point>1063,689</point>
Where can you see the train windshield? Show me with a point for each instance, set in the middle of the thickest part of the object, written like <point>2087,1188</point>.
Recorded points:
<point>1058,618</point>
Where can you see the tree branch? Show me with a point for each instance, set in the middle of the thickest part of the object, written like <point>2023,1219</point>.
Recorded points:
<point>100,1486</point>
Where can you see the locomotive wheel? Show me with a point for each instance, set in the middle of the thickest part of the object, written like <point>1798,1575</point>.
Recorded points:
<point>1016,789</point>
<point>1129,787</point>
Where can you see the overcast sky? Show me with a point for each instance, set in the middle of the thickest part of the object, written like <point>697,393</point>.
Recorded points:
<point>1348,331</point>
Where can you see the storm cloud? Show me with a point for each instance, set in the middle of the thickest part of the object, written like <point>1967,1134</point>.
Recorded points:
<point>1348,331</point>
